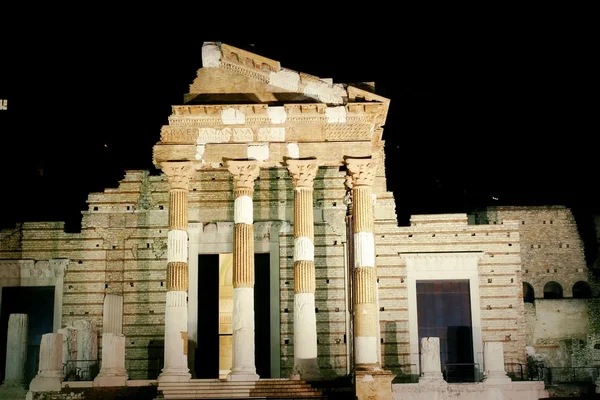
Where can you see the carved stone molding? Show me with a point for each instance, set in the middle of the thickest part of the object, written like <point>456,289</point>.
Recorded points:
<point>244,172</point>
<point>179,173</point>
<point>303,172</point>
<point>41,269</point>
<point>362,170</point>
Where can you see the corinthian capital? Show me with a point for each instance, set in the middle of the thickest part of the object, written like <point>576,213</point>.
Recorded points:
<point>303,172</point>
<point>244,172</point>
<point>362,170</point>
<point>179,173</point>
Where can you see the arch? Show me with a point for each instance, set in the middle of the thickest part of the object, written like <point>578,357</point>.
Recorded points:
<point>528,293</point>
<point>553,290</point>
<point>582,290</point>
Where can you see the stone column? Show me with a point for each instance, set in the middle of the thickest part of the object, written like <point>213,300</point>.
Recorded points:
<point>366,326</point>
<point>371,380</point>
<point>431,366</point>
<point>49,376</point>
<point>16,350</point>
<point>69,351</point>
<point>243,361</point>
<point>113,371</point>
<point>305,322</point>
<point>87,347</point>
<point>112,315</point>
<point>493,362</point>
<point>176,368</point>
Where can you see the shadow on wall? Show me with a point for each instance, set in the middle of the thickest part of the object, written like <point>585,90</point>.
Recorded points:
<point>156,354</point>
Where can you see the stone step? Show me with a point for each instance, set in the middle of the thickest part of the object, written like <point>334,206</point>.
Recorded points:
<point>222,389</point>
<point>226,396</point>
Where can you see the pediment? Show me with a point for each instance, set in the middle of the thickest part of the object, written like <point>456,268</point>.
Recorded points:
<point>233,75</point>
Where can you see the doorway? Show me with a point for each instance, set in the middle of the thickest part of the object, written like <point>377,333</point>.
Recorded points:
<point>38,303</point>
<point>213,357</point>
<point>444,311</point>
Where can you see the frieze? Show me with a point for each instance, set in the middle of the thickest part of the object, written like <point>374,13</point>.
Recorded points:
<point>41,269</point>
<point>242,135</point>
<point>271,134</point>
<point>212,135</point>
<point>346,132</point>
<point>170,134</point>
<point>199,111</point>
<point>245,71</point>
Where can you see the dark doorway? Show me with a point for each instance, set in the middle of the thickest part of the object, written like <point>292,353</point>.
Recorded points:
<point>444,311</point>
<point>207,352</point>
<point>262,315</point>
<point>210,337</point>
<point>38,303</point>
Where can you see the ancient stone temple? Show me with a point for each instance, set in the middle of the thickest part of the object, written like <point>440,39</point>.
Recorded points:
<point>267,251</point>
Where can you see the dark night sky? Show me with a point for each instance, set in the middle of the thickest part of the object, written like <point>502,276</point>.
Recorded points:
<point>472,121</point>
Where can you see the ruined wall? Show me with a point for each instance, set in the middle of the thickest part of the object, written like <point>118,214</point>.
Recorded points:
<point>562,331</point>
<point>551,247</point>
<point>556,326</point>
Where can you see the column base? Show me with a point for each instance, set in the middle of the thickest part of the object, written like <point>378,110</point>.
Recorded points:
<point>374,384</point>
<point>8,384</point>
<point>175,375</point>
<point>431,377</point>
<point>45,384</point>
<point>499,378</point>
<point>306,369</point>
<point>245,376</point>
<point>111,378</point>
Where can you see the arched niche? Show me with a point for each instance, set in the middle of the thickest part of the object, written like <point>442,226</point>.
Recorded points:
<point>553,290</point>
<point>582,290</point>
<point>528,293</point>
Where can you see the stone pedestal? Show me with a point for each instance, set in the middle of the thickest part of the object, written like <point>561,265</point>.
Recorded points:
<point>113,371</point>
<point>16,350</point>
<point>374,385</point>
<point>49,376</point>
<point>431,366</point>
<point>493,363</point>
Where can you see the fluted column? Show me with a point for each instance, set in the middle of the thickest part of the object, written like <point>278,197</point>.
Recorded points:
<point>113,371</point>
<point>305,322</point>
<point>366,325</point>
<point>243,359</point>
<point>176,368</point>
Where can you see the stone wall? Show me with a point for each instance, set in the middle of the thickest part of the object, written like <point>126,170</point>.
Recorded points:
<point>551,247</point>
<point>122,249</point>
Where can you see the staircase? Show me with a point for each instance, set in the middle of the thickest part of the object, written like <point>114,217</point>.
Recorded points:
<point>222,389</point>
